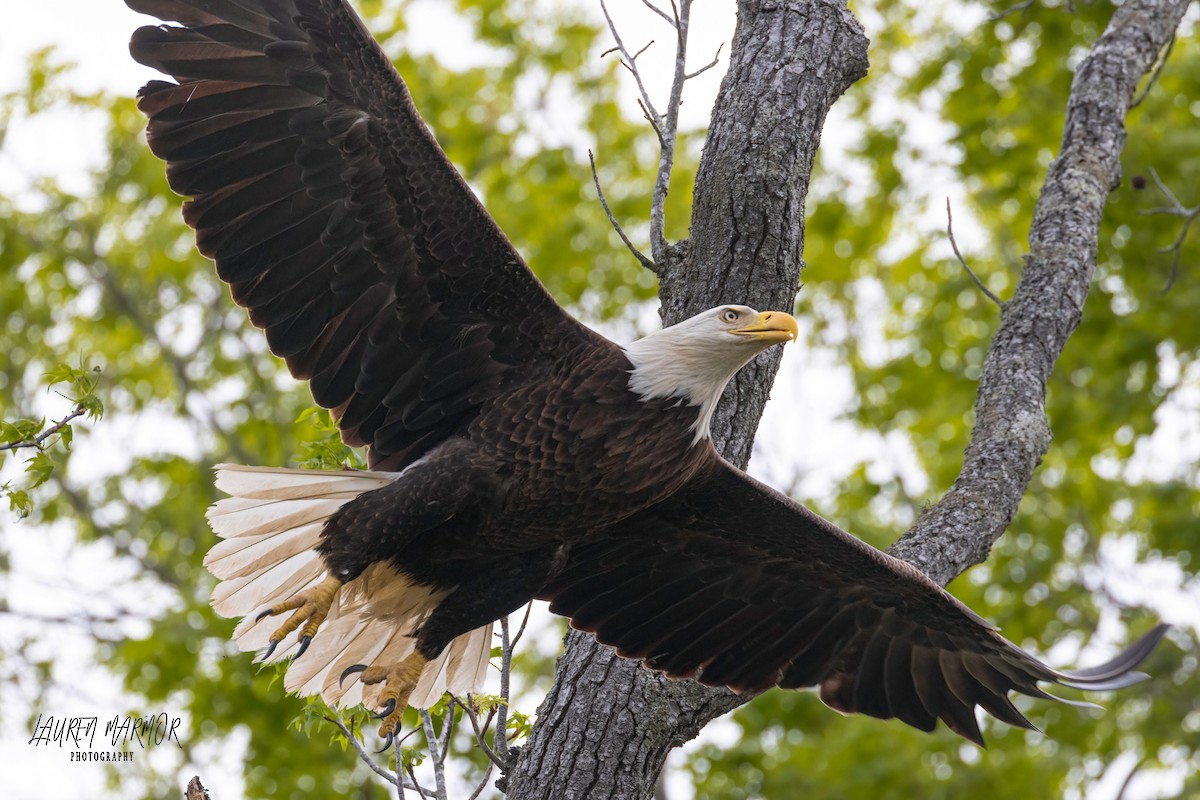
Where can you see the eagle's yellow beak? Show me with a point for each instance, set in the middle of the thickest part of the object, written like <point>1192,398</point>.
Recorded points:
<point>771,327</point>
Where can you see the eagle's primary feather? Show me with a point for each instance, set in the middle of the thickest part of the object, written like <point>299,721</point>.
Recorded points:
<point>514,452</point>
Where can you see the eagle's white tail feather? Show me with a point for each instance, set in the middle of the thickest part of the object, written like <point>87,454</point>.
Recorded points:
<point>274,584</point>
<point>269,528</point>
<point>236,558</point>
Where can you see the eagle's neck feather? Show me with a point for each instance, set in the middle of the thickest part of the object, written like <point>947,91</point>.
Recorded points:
<point>666,364</point>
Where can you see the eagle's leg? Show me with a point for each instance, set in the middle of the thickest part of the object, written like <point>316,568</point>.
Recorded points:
<point>400,680</point>
<point>311,605</point>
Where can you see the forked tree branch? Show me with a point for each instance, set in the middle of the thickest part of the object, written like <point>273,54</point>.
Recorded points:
<point>1011,431</point>
<point>666,127</point>
<point>1176,209</point>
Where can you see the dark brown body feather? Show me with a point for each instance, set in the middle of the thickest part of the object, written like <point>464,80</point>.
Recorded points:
<point>531,468</point>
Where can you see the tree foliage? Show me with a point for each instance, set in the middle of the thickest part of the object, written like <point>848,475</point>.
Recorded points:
<point>110,276</point>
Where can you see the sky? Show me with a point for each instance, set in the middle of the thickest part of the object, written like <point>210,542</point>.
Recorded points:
<point>66,147</point>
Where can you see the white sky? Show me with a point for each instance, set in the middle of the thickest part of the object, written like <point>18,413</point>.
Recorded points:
<point>65,146</point>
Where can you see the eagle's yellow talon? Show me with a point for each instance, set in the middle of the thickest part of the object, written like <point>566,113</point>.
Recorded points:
<point>312,605</point>
<point>400,680</point>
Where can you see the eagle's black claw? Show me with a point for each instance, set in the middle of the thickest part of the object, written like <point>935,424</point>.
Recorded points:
<point>264,614</point>
<point>304,643</point>
<point>391,737</point>
<point>350,670</point>
<point>388,709</point>
<point>271,645</point>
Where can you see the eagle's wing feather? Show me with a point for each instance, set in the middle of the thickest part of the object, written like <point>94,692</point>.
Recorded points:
<point>736,585</point>
<point>338,221</point>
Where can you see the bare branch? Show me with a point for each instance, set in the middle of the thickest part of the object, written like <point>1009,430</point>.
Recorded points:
<point>646,116</point>
<point>658,11</point>
<point>1011,433</point>
<point>36,442</point>
<point>630,62</point>
<point>963,261</point>
<point>1176,206</point>
<point>435,756</point>
<point>670,129</point>
<point>487,775</point>
<point>716,57</point>
<point>1162,62</point>
<point>412,776</point>
<point>1011,10</point>
<point>366,757</point>
<point>1177,209</point>
<point>480,731</point>
<point>665,127</point>
<point>500,738</point>
<point>644,49</point>
<point>641,257</point>
<point>1129,778</point>
<point>447,732</point>
<point>524,622</point>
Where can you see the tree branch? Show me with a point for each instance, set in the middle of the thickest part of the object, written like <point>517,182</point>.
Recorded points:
<point>367,759</point>
<point>435,755</point>
<point>1177,209</point>
<point>1011,431</point>
<point>36,442</point>
<point>606,726</point>
<point>670,130</point>
<point>641,257</point>
<point>963,261</point>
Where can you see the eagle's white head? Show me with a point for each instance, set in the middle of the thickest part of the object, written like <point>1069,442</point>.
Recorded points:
<point>694,359</point>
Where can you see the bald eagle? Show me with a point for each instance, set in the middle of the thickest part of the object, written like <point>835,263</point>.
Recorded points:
<point>514,453</point>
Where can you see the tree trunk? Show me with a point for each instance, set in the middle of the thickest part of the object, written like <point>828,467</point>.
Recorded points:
<point>607,725</point>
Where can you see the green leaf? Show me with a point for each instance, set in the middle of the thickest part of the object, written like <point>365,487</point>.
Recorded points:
<point>19,502</point>
<point>40,468</point>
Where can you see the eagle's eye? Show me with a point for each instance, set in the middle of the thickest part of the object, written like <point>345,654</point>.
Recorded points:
<point>729,315</point>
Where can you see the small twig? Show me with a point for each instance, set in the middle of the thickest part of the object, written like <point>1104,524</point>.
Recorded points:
<point>36,441</point>
<point>963,261</point>
<point>658,11</point>
<point>641,257</point>
<point>366,757</point>
<point>411,775</point>
<point>631,64</point>
<point>708,66</point>
<point>1129,778</point>
<point>653,125</point>
<point>447,732</point>
<point>435,755</point>
<point>1162,62</point>
<point>1177,209</point>
<point>524,622</point>
<point>500,738</point>
<point>480,731</point>
<point>1011,10</point>
<point>644,49</point>
<point>487,775</point>
<point>399,782</point>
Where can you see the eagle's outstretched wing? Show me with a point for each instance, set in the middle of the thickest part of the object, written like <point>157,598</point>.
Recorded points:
<point>337,220</point>
<point>734,584</point>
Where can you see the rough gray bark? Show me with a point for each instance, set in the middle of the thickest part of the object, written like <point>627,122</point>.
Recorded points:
<point>607,725</point>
